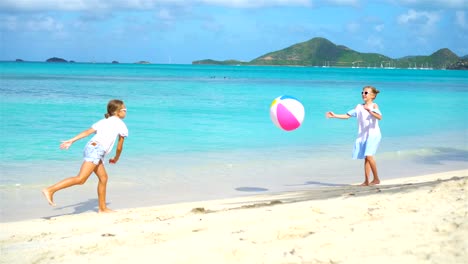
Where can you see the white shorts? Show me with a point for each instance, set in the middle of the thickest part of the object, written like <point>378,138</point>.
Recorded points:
<point>94,152</point>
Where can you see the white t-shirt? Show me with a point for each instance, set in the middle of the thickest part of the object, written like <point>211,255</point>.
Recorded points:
<point>368,125</point>
<point>107,131</point>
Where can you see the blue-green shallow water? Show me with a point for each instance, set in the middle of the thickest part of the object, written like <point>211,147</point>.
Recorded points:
<point>204,132</point>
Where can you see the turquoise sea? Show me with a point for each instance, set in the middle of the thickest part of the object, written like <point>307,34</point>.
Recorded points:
<point>201,132</point>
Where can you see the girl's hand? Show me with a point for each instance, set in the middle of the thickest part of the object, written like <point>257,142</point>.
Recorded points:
<point>66,144</point>
<point>113,160</point>
<point>330,114</point>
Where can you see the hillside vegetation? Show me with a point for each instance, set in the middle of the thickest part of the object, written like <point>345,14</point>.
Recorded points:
<point>324,53</point>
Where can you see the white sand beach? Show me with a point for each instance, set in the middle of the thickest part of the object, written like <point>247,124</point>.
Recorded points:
<point>422,219</point>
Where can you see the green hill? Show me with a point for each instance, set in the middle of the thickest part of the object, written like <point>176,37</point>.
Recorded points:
<point>319,52</point>
<point>439,59</point>
<point>323,53</point>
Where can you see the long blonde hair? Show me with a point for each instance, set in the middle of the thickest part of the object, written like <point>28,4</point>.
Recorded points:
<point>113,106</point>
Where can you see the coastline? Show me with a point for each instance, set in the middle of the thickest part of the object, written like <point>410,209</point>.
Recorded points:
<point>406,220</point>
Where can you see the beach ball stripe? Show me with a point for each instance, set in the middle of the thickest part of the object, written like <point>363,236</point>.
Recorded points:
<point>287,112</point>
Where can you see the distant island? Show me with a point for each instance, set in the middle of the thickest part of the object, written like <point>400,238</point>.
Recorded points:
<point>55,59</point>
<point>320,52</point>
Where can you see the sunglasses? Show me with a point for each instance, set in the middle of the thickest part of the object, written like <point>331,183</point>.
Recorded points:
<point>366,93</point>
<point>124,109</point>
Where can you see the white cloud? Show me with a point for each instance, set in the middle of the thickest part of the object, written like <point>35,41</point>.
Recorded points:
<point>460,19</point>
<point>379,28</point>
<point>44,23</point>
<point>353,27</point>
<point>255,3</point>
<point>423,18</point>
<point>90,5</point>
<point>268,3</point>
<point>36,23</point>
<point>86,5</point>
<point>343,2</point>
<point>49,5</point>
<point>165,14</point>
<point>433,3</point>
<point>212,27</point>
<point>375,43</point>
<point>9,23</point>
<point>423,25</point>
<point>166,19</point>
<point>413,16</point>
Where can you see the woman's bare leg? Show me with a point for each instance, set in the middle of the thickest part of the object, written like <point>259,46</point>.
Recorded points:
<point>85,171</point>
<point>100,171</point>
<point>367,170</point>
<point>373,167</point>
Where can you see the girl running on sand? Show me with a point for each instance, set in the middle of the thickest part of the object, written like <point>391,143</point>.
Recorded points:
<point>106,132</point>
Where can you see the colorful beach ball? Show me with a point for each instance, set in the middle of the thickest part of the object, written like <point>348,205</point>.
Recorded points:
<point>287,112</point>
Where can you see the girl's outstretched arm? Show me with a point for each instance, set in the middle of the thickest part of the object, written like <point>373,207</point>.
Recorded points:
<point>67,143</point>
<point>333,115</point>
<point>118,150</point>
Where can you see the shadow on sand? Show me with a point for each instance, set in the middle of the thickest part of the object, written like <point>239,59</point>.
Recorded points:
<point>89,206</point>
<point>339,191</point>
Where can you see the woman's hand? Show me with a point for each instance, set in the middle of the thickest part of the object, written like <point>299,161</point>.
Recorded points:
<point>330,114</point>
<point>66,144</point>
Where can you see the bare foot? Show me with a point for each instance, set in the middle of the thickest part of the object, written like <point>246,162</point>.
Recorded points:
<point>106,210</point>
<point>364,184</point>
<point>48,196</point>
<point>375,182</point>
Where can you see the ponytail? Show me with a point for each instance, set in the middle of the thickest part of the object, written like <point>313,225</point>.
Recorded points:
<point>112,107</point>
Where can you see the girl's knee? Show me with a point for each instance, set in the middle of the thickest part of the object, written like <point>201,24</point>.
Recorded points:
<point>103,178</point>
<point>81,180</point>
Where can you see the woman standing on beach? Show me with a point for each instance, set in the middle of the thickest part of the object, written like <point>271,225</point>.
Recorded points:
<point>368,116</point>
<point>106,131</point>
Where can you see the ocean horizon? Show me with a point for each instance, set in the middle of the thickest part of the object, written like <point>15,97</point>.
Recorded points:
<point>200,132</point>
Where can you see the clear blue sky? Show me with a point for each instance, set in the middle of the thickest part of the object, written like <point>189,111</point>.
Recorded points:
<point>176,31</point>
